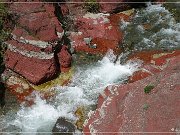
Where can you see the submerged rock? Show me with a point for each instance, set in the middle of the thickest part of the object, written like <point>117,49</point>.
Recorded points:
<point>63,127</point>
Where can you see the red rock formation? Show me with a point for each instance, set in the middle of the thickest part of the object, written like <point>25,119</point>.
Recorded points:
<point>153,62</point>
<point>30,51</point>
<point>107,6</point>
<point>35,70</point>
<point>127,108</point>
<point>64,58</point>
<point>101,29</point>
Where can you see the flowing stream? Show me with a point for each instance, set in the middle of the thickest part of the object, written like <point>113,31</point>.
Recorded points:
<point>152,28</point>
<point>84,90</point>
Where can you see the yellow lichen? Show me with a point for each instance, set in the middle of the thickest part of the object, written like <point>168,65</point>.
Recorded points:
<point>155,56</point>
<point>80,113</point>
<point>128,12</point>
<point>60,80</point>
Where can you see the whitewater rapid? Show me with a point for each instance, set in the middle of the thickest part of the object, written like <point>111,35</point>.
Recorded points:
<point>84,90</point>
<point>161,31</point>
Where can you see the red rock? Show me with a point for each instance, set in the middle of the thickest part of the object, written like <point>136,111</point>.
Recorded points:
<point>129,109</point>
<point>24,8</point>
<point>51,36</point>
<point>160,61</point>
<point>22,89</point>
<point>76,7</point>
<point>103,29</point>
<point>64,9</point>
<point>34,37</point>
<point>18,32</point>
<point>153,62</point>
<point>34,21</point>
<point>49,9</point>
<point>64,57</point>
<point>40,23</point>
<point>138,75</point>
<point>103,45</point>
<point>146,70</point>
<point>116,18</point>
<point>35,70</point>
<point>145,56</point>
<point>57,24</point>
<point>112,6</point>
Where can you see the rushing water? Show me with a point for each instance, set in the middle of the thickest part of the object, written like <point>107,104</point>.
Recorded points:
<point>82,91</point>
<point>153,27</point>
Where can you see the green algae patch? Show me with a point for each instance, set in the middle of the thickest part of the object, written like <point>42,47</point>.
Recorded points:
<point>145,106</point>
<point>148,88</point>
<point>62,79</point>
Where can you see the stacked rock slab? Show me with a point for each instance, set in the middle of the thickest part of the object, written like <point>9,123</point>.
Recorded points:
<point>30,50</point>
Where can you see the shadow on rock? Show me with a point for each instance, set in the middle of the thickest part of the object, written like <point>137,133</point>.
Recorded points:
<point>63,127</point>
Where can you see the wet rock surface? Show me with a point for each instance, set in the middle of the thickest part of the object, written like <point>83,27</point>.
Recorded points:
<point>153,62</point>
<point>129,109</point>
<point>38,51</point>
<point>63,127</point>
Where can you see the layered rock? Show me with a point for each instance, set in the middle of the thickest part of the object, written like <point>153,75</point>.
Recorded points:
<point>31,50</point>
<point>129,108</point>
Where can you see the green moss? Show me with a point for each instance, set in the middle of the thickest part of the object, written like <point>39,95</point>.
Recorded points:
<point>148,88</point>
<point>3,15</point>
<point>3,34</point>
<point>91,6</point>
<point>174,9</point>
<point>145,106</point>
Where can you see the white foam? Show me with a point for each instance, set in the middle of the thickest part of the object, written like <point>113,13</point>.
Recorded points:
<point>163,33</point>
<point>83,91</point>
<point>40,116</point>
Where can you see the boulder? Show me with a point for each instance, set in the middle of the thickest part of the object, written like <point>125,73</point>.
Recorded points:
<point>63,127</point>
<point>30,51</point>
<point>64,57</point>
<point>129,108</point>
<point>35,70</point>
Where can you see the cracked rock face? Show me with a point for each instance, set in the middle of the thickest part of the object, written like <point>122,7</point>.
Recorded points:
<point>30,51</point>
